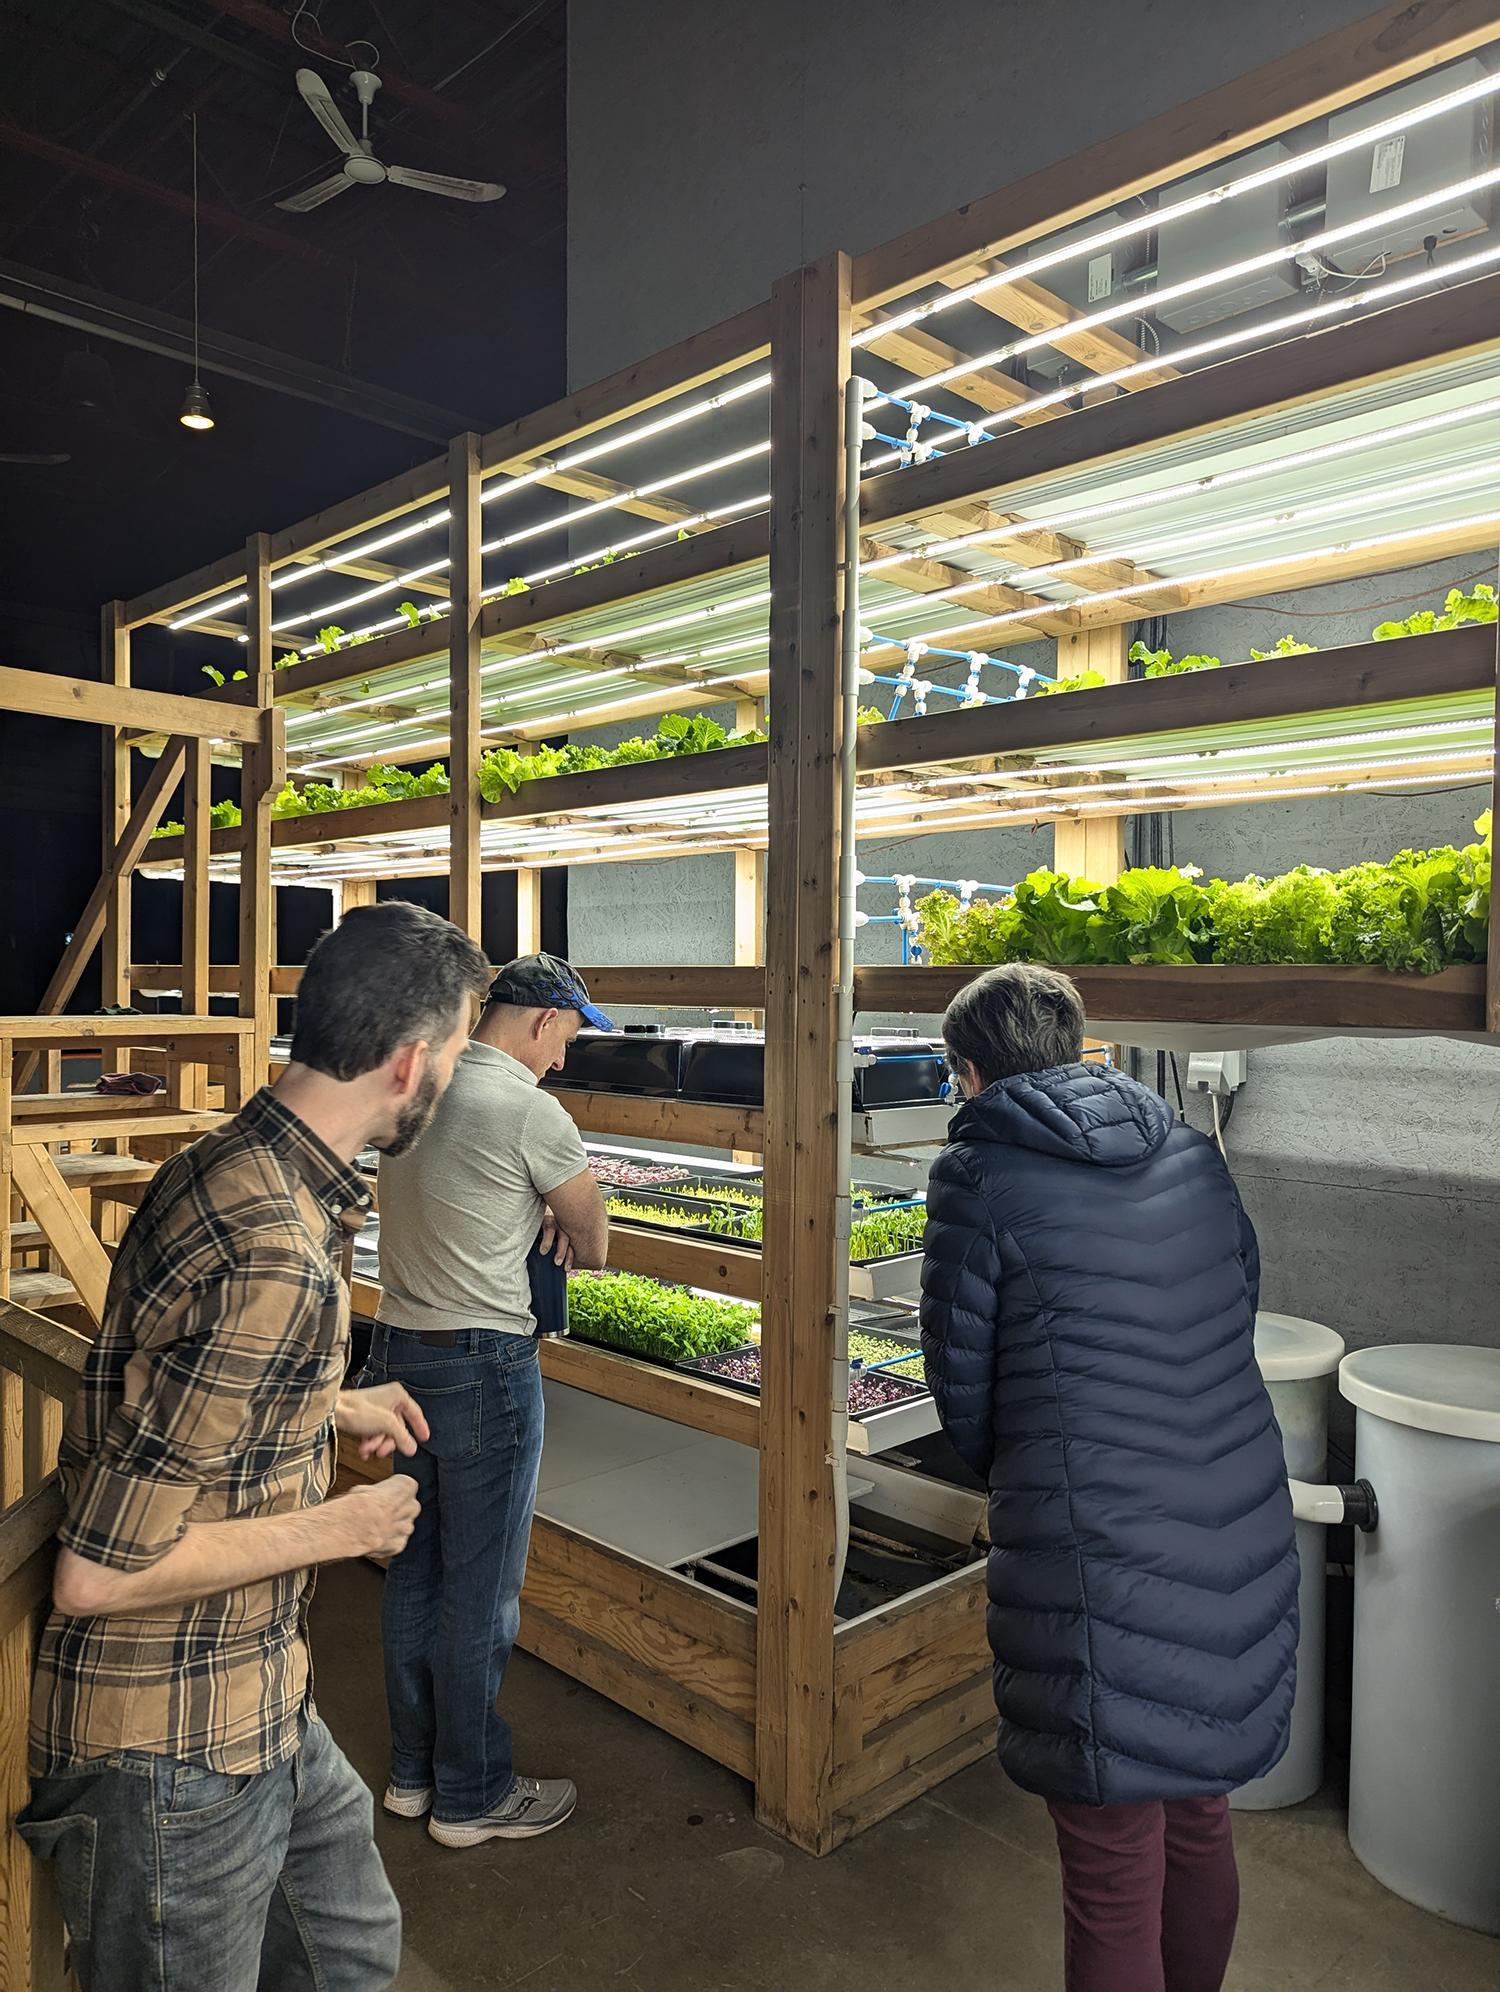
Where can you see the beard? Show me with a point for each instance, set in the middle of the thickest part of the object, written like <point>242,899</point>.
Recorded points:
<point>413,1119</point>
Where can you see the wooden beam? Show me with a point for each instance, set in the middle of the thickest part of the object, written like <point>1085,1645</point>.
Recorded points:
<point>924,576</point>
<point>79,1254</point>
<point>114,980</point>
<point>1297,88</point>
<point>528,910</point>
<point>695,1262</point>
<point>921,353</point>
<point>1092,846</point>
<point>52,697</point>
<point>196,800</point>
<point>121,860</point>
<point>1386,344</point>
<point>1033,309</point>
<point>258,785</point>
<point>1307,998</point>
<point>465,577</point>
<point>1355,677</point>
<point>697,1122</point>
<point>795,1704</point>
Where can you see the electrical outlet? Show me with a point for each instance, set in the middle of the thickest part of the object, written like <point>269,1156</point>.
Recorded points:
<point>1221,1072</point>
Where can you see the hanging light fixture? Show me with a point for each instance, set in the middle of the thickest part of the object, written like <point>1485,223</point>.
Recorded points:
<point>196,411</point>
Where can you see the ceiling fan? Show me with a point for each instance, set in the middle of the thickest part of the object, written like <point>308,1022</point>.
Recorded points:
<point>359,166</point>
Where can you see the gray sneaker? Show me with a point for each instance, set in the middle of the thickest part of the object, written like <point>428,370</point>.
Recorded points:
<point>532,1806</point>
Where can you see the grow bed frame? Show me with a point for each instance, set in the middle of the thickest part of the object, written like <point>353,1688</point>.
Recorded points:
<point>837,1726</point>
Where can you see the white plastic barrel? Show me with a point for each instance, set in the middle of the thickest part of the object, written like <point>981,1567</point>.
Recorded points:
<point>1424,1785</point>
<point>1296,1359</point>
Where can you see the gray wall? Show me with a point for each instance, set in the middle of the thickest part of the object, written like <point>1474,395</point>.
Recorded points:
<point>749,138</point>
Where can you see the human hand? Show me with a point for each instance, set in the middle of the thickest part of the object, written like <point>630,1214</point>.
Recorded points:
<point>378,1517</point>
<point>385,1420</point>
<point>555,1243</point>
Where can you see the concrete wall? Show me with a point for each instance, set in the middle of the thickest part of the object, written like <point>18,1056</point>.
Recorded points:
<point>751,138</point>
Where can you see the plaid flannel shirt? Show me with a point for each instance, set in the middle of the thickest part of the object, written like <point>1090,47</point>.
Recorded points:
<point>209,1395</point>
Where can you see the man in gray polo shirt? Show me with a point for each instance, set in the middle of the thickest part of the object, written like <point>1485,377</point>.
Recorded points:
<point>500,1168</point>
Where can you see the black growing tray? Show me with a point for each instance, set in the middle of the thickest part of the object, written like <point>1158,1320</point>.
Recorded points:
<point>726,1067</point>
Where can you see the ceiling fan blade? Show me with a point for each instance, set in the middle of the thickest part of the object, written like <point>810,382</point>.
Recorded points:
<point>444,183</point>
<point>34,456</point>
<point>314,197</point>
<point>318,99</point>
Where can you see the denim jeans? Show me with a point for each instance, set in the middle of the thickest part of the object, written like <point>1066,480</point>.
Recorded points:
<point>175,1878</point>
<point>452,1604</point>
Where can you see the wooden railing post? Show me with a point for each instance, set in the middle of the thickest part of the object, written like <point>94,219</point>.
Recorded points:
<point>465,588</point>
<point>259,781</point>
<point>794,1696</point>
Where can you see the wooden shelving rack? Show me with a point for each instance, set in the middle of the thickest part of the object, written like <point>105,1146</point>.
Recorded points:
<point>836,1724</point>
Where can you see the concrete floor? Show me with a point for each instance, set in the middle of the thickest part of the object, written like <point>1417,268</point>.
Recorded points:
<point>662,1882</point>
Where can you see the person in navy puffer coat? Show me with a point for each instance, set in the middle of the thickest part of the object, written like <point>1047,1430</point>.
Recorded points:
<point>1089,1288</point>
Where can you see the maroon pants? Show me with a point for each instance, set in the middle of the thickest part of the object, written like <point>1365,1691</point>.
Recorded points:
<point>1151,1895</point>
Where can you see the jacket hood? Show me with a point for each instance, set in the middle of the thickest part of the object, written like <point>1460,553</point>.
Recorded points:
<point>1085,1113</point>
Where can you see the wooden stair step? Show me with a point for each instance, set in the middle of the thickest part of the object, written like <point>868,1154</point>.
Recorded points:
<point>114,1169</point>
<point>27,1237</point>
<point>42,1290</point>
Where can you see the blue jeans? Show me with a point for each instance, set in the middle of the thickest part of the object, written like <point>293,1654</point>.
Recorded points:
<point>452,1604</point>
<point>175,1878</point>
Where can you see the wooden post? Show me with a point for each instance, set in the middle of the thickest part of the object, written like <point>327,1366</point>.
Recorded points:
<point>794,1695</point>
<point>465,589</point>
<point>258,785</point>
<point>356,892</point>
<point>528,910</point>
<point>1092,845</point>
<point>114,978</point>
<point>749,872</point>
<point>191,1075</point>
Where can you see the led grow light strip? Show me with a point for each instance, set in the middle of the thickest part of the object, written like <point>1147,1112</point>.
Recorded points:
<point>1349,303</point>
<point>515,481</point>
<point>1155,585</point>
<point>1031,266</point>
<point>1245,266</point>
<point>1163,217</point>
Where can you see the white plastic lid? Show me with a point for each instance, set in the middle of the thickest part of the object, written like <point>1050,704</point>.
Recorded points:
<point>1289,1349</point>
<point>1435,1387</point>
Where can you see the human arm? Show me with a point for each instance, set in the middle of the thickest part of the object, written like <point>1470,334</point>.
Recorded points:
<point>385,1419</point>
<point>960,1308</point>
<point>210,1557</point>
<point>224,1377</point>
<point>576,1224</point>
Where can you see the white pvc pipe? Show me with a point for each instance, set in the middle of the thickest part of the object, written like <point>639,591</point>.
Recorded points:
<point>849,686</point>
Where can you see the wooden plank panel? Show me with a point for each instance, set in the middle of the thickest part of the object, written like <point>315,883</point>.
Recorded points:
<point>147,1123</point>
<point>65,1033</point>
<point>1315,998</point>
<point>466,585</point>
<point>794,1752</point>
<point>709,987</point>
<point>639,783</point>
<point>1330,681</point>
<point>51,697</point>
<point>684,1399</point>
<point>956,1604</point>
<point>1304,84</point>
<point>916,1678</point>
<point>966,1709</point>
<point>853,1815</point>
<point>699,1262</point>
<point>1405,336</point>
<point>691,1718</point>
<point>663,1120</point>
<point>703,1671</point>
<point>80,1255</point>
<point>723,1624</point>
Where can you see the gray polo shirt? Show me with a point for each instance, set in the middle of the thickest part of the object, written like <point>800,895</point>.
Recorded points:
<point>461,1210</point>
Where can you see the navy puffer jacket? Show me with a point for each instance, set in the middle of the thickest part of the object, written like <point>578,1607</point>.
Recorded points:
<point>1088,1313</point>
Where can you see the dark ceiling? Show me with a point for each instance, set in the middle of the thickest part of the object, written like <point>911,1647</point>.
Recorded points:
<point>385,288</point>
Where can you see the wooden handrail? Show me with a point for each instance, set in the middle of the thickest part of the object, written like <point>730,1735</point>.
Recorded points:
<point>43,1352</point>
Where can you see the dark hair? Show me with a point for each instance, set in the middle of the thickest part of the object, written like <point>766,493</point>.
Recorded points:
<point>1019,1018</point>
<point>386,976</point>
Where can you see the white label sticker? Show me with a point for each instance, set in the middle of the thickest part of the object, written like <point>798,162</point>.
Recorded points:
<point>1385,163</point>
<point>1101,277</point>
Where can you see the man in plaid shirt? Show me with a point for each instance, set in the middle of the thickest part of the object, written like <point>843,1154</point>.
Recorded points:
<point>207,1833</point>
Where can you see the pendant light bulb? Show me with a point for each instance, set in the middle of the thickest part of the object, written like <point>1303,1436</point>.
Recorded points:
<point>196,411</point>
